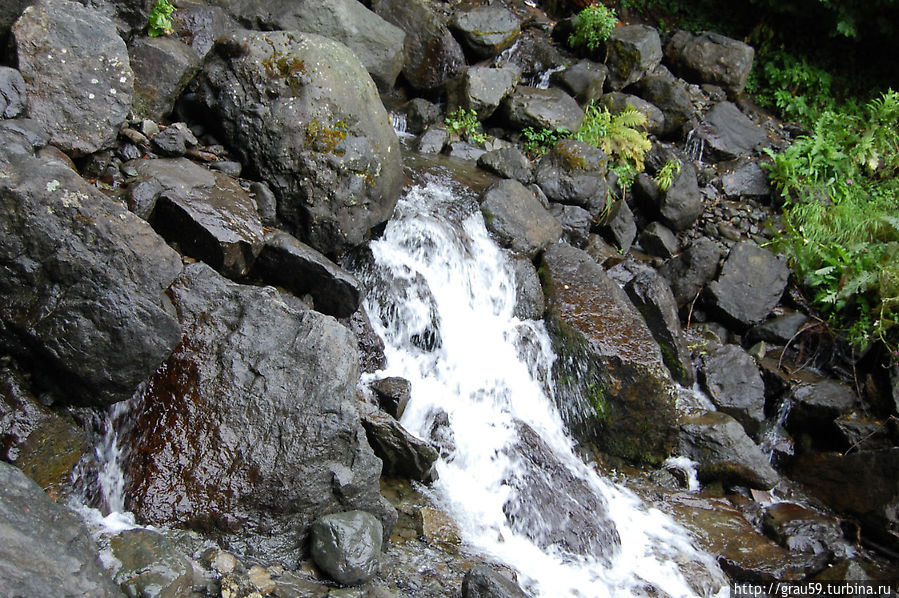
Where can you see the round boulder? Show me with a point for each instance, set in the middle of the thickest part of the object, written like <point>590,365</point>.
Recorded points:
<point>346,546</point>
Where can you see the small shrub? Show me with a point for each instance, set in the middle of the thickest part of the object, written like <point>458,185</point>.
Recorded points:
<point>537,143</point>
<point>592,27</point>
<point>465,123</point>
<point>667,173</point>
<point>160,22</point>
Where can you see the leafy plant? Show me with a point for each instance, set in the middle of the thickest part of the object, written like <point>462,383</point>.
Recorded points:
<point>538,142</point>
<point>667,173</point>
<point>618,135</point>
<point>592,27</point>
<point>160,22</point>
<point>465,123</point>
<point>841,228</point>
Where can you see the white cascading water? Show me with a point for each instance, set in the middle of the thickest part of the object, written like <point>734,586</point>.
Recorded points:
<point>441,296</point>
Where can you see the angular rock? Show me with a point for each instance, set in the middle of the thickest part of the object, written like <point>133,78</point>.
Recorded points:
<point>573,173</point>
<point>437,529</point>
<point>432,56</point>
<point>575,221</point>
<point>749,286</point>
<point>481,89</point>
<point>724,452</point>
<point>289,263</point>
<point>619,226</point>
<point>529,301</point>
<point>9,12</point>
<point>432,141</point>
<point>681,204</point>
<point>174,140</point>
<point>692,269</point>
<point>199,25</point>
<point>224,437</point>
<point>732,380</point>
<point>483,582</point>
<point>863,432</point>
<point>652,296</point>
<point>420,114</point>
<point>744,179</point>
<point>303,113</point>
<point>632,51</point>
<point>376,43</point>
<point>617,102</point>
<point>601,252</point>
<point>486,30</point>
<point>151,566</point>
<point>815,407</point>
<point>728,133</point>
<point>163,66</point>
<point>464,151</point>
<point>801,530</point>
<point>542,109</point>
<point>46,549</point>
<point>710,57</point>
<point>583,80</point>
<point>657,239</point>
<point>347,546</point>
<point>77,74</point>
<point>611,382</point>
<point>779,330</point>
<point>82,283</point>
<point>12,93</point>
<point>371,347</point>
<point>517,220</point>
<point>533,55</point>
<point>403,454</point>
<point>393,394</point>
<point>669,94</point>
<point>508,163</point>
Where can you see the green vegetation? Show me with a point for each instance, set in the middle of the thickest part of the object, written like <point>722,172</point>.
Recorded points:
<point>592,27</point>
<point>841,218</point>
<point>667,173</point>
<point>160,21</point>
<point>538,142</point>
<point>623,136</point>
<point>465,124</point>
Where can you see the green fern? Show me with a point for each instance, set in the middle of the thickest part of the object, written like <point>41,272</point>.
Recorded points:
<point>667,174</point>
<point>618,135</point>
<point>160,21</point>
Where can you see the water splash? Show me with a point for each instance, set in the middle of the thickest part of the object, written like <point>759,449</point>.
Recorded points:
<point>541,81</point>
<point>694,146</point>
<point>398,120</point>
<point>442,295</point>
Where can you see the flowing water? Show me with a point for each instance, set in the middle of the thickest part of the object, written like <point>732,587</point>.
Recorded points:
<point>442,295</point>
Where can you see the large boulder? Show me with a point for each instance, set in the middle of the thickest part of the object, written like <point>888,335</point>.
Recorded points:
<point>611,381</point>
<point>403,454</point>
<point>574,173</point>
<point>515,217</point>
<point>486,30</point>
<point>669,94</point>
<point>543,109</point>
<point>250,427</point>
<point>82,281</point>
<point>163,66</point>
<point>583,80</point>
<point>432,56</point>
<point>46,550</point>
<point>508,163</point>
<point>710,57</point>
<point>732,380</point>
<point>690,271</point>
<point>632,51</point>
<point>750,285</point>
<point>302,112</point>
<point>347,546</point>
<point>728,133</point>
<point>77,72</point>
<point>680,204</point>
<point>481,89</point>
<point>376,43</point>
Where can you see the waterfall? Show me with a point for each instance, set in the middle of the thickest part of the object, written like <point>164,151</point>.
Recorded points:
<point>441,295</point>
<point>541,81</point>
<point>694,146</point>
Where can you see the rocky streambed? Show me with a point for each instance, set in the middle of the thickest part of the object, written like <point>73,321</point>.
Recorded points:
<point>193,310</point>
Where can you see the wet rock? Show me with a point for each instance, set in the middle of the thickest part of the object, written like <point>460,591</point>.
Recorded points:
<point>692,269</point>
<point>12,93</point>
<point>815,407</point>
<point>619,226</point>
<point>681,204</point>
<point>199,25</point>
<point>801,530</point>
<point>432,56</point>
<point>163,67</point>
<point>529,301</point>
<point>569,514</point>
<point>403,454</point>
<point>632,51</point>
<point>464,151</point>
<point>289,263</point>
<point>728,133</point>
<point>239,402</point>
<point>575,221</point>
<point>583,80</point>
<point>393,394</point>
<point>326,147</point>
<point>486,30</point>
<point>420,114</point>
<point>862,432</point>
<point>82,283</point>
<point>371,347</point>
<point>724,452</point>
<point>652,296</point>
<point>669,94</point>
<point>481,89</point>
<point>779,330</point>
<point>542,109</point>
<point>744,178</point>
<point>601,252</point>
<point>174,140</point>
<point>46,550</point>
<point>151,567</point>
<point>657,239</point>
<point>732,380</point>
<point>229,167</point>
<point>573,173</point>
<point>617,102</point>
<point>709,57</point>
<point>76,72</point>
<point>517,220</point>
<point>347,546</point>
<point>483,582</point>
<point>376,43</point>
<point>749,286</point>
<point>533,55</point>
<point>437,528</point>
<point>508,163</point>
<point>611,382</point>
<point>432,141</point>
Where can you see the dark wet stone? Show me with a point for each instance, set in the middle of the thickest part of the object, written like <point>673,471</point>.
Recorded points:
<point>517,220</point>
<point>199,25</point>
<point>732,380</point>
<point>815,407</point>
<point>174,140</point>
<point>483,582</point>
<point>12,93</point>
<point>151,566</point>
<point>420,114</point>
<point>432,140</point>
<point>692,269</point>
<point>601,252</point>
<point>620,227</point>
<point>573,173</point>
<point>728,133</point>
<point>669,94</point>
<point>464,151</point>
<point>681,204</point>
<point>779,330</point>
<point>481,89</point>
<point>744,178</point>
<point>749,286</point>
<point>863,432</point>
<point>46,550</point>
<point>657,239</point>
<point>229,167</point>
<point>632,51</point>
<point>403,454</point>
<point>393,394</point>
<point>709,57</point>
<point>583,80</point>
<point>542,109</point>
<point>347,546</point>
<point>77,74</point>
<point>575,221</point>
<point>486,30</point>
<point>266,204</point>
<point>371,347</point>
<point>289,263</point>
<point>529,301</point>
<point>163,66</point>
<point>508,163</point>
<point>801,530</point>
<point>617,102</point>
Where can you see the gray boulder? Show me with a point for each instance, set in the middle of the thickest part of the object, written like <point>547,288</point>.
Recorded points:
<point>432,56</point>
<point>583,80</point>
<point>517,219</point>
<point>150,565</point>
<point>376,43</point>
<point>483,582</point>
<point>403,454</point>
<point>508,163</point>
<point>779,330</point>
<point>420,114</point>
<point>163,66</point>
<point>732,379</point>
<point>481,89</point>
<point>574,173</point>
<point>237,402</point>
<point>657,239</point>
<point>744,178</point>
<point>728,133</point>
<point>542,109</point>
<point>301,111</point>
<point>750,285</point>
<point>77,74</point>
<point>199,25</point>
<point>695,267</point>
<point>486,30</point>
<point>681,204</point>
<point>619,226</point>
<point>9,12</point>
<point>347,546</point>
<point>575,221</point>
<point>46,550</point>
<point>710,57</point>
<point>393,394</point>
<point>529,301</point>
<point>816,404</point>
<point>669,94</point>
<point>632,51</point>
<point>174,140</point>
<point>432,141</point>
<point>12,93</point>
